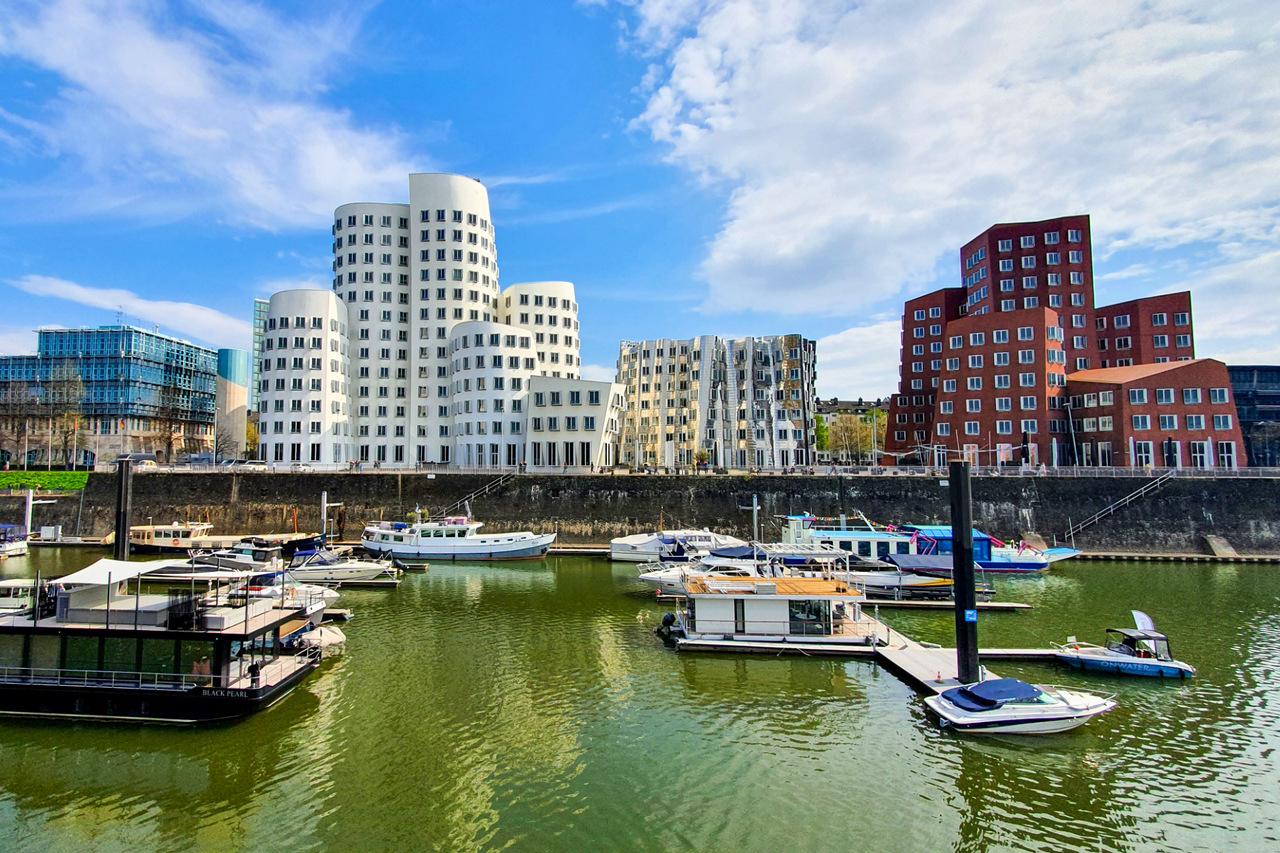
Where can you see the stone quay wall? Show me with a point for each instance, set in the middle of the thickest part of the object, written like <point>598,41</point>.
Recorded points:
<point>594,509</point>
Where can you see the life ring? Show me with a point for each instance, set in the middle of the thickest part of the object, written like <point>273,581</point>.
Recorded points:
<point>175,540</point>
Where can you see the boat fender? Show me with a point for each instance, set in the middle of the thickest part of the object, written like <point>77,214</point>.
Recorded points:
<point>668,620</point>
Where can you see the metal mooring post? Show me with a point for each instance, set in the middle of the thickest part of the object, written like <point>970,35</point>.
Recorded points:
<point>962,574</point>
<point>124,508</point>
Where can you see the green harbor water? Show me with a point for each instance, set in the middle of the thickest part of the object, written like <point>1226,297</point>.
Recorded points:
<point>530,707</point>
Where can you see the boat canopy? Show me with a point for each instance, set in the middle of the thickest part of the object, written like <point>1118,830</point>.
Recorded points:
<point>107,571</point>
<point>1137,634</point>
<point>987,695</point>
<point>912,562</point>
<point>940,531</point>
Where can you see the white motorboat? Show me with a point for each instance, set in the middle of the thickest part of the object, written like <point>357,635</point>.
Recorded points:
<point>1011,706</point>
<point>1128,651</point>
<point>330,567</point>
<point>669,546</point>
<point>13,540</point>
<point>669,578</point>
<point>452,538</point>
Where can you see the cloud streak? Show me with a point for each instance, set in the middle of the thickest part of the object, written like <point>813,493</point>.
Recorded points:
<point>186,319</point>
<point>155,116</point>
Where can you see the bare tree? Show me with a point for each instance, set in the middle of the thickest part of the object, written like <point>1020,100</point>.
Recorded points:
<point>853,437</point>
<point>225,443</point>
<point>17,403</point>
<point>167,422</point>
<point>64,398</point>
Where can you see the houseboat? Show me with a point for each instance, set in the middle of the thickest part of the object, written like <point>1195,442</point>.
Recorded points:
<point>175,538</point>
<point>798,615</point>
<point>183,536</point>
<point>92,649</point>
<point>451,538</point>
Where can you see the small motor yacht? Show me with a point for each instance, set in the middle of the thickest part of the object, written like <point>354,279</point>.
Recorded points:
<point>1128,651</point>
<point>1011,706</point>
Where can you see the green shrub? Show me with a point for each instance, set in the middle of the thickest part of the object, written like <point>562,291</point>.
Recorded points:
<point>49,481</point>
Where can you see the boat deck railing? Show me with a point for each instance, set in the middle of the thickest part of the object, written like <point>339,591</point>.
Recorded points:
<point>271,671</point>
<point>849,628</point>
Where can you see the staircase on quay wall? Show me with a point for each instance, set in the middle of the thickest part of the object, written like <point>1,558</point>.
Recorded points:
<point>1143,491</point>
<point>464,503</point>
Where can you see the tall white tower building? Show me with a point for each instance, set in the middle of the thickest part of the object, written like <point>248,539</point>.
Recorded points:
<point>408,273</point>
<point>304,402</point>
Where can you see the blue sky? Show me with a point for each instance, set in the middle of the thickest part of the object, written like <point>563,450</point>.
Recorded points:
<point>693,166</point>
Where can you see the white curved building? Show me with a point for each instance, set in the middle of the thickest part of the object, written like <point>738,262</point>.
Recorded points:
<point>304,410</point>
<point>491,363</point>
<point>408,273</point>
<point>549,311</point>
<point>436,358</point>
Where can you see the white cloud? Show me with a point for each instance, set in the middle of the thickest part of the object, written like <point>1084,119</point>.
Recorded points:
<point>1234,310</point>
<point>863,144</point>
<point>859,362</point>
<point>157,116</point>
<point>181,318</point>
<point>599,372</point>
<point>17,341</point>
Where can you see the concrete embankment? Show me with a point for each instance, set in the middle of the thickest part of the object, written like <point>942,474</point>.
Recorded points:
<point>1175,519</point>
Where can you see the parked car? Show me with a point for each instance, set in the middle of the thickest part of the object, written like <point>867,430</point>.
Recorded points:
<point>300,468</point>
<point>253,465</point>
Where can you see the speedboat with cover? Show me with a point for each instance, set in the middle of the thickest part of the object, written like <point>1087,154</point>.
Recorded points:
<point>669,546</point>
<point>324,566</point>
<point>1012,706</point>
<point>1128,651</point>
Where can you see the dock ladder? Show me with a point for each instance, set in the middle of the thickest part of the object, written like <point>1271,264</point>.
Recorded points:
<point>1146,489</point>
<point>480,492</point>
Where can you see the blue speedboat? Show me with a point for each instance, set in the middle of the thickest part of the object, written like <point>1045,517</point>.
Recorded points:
<point>1128,651</point>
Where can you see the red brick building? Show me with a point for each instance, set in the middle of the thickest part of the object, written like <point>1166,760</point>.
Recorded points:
<point>985,366</point>
<point>1146,331</point>
<point>1176,414</point>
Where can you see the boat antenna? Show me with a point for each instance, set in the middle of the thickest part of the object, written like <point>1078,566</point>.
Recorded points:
<point>467,504</point>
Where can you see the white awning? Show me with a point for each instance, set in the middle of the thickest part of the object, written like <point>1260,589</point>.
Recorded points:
<point>108,571</point>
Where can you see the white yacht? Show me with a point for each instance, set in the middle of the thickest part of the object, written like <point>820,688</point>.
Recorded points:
<point>452,538</point>
<point>669,546</point>
<point>1010,706</point>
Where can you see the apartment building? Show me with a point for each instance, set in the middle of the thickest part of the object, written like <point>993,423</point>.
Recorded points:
<point>732,403</point>
<point>985,366</point>
<point>1172,414</point>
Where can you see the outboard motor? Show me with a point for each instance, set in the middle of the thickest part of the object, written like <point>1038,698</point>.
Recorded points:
<point>664,630</point>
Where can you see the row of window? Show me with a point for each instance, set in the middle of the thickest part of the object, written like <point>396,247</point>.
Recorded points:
<point>975,428</point>
<point>1051,238</point>
<point>1170,422</point>
<point>1182,318</point>
<point>367,219</point>
<point>565,304</point>
<point>1190,396</point>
